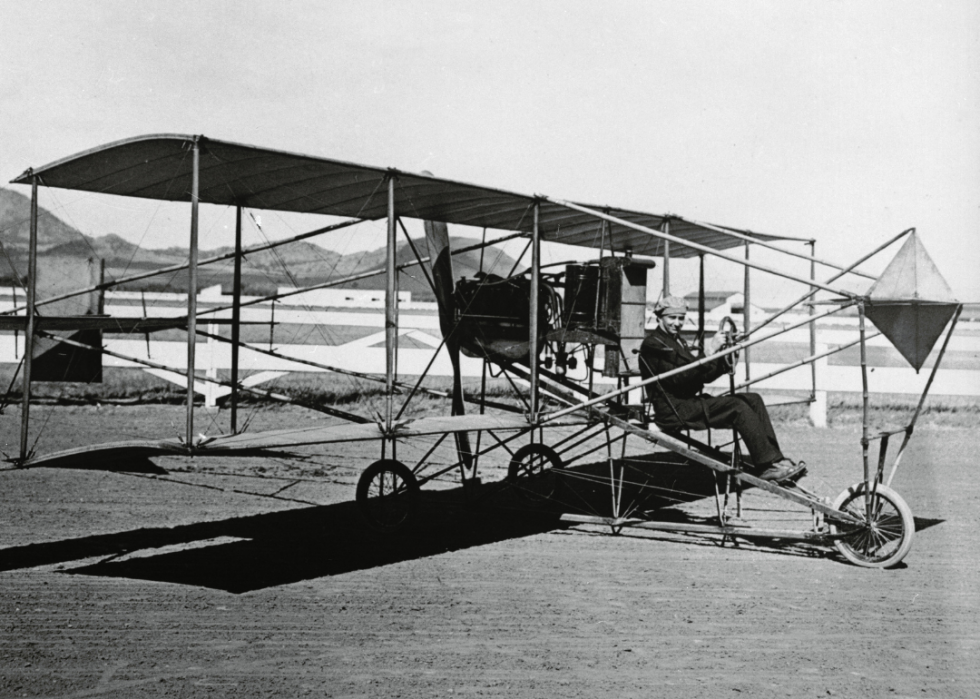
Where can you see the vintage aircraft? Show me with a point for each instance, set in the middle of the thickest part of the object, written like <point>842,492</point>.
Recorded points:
<point>553,332</point>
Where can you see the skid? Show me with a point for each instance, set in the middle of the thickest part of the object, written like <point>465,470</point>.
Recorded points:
<point>747,532</point>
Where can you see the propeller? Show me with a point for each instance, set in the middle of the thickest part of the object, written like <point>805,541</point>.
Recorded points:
<point>441,266</point>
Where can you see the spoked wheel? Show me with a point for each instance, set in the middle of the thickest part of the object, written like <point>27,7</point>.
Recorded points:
<point>532,471</point>
<point>388,495</point>
<point>880,541</point>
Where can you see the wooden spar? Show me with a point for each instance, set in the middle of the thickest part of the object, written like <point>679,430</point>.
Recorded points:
<point>533,315</point>
<point>701,248</point>
<point>747,311</point>
<point>741,531</point>
<point>666,288</point>
<point>192,291</point>
<point>739,347</point>
<point>813,291</point>
<point>922,398</point>
<point>701,303</point>
<point>29,330</point>
<point>813,326</point>
<point>391,299</point>
<point>756,241</point>
<point>236,318</point>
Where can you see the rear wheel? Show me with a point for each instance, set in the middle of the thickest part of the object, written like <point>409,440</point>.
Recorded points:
<point>532,471</point>
<point>388,495</point>
<point>884,536</point>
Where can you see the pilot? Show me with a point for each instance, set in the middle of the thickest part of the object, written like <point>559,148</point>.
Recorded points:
<point>679,401</point>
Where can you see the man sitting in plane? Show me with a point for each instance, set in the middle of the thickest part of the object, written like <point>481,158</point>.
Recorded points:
<point>679,402</point>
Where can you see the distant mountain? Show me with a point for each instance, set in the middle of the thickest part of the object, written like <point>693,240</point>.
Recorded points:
<point>15,224</point>
<point>299,263</point>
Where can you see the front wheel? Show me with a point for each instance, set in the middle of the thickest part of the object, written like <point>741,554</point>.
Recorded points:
<point>884,536</point>
<point>387,495</point>
<point>532,471</point>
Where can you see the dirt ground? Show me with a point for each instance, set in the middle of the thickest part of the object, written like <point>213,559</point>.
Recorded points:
<point>249,577</point>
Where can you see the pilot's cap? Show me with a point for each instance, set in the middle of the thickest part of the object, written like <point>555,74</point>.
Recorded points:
<point>670,305</point>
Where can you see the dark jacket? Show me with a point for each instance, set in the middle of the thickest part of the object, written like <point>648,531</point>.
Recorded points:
<point>675,399</point>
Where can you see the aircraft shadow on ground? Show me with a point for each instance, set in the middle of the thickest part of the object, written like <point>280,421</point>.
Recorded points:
<point>285,547</point>
<point>290,546</point>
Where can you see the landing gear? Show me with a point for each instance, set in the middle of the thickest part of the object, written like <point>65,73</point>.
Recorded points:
<point>388,495</point>
<point>884,536</point>
<point>532,471</point>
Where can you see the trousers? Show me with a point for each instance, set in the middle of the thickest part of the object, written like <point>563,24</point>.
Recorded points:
<point>746,412</point>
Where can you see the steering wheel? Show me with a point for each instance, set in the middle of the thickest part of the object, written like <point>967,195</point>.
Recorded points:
<point>730,332</point>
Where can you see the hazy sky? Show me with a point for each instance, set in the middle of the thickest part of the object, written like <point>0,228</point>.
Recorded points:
<point>842,121</point>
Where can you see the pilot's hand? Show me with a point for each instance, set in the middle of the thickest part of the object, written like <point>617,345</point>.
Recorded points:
<point>717,342</point>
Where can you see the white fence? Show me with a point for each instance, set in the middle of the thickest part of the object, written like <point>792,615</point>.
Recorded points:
<point>419,323</point>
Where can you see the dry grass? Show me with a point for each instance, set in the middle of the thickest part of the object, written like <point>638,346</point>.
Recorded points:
<point>888,411</point>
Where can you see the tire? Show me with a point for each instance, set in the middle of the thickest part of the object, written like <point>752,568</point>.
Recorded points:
<point>883,542</point>
<point>532,471</point>
<point>388,496</point>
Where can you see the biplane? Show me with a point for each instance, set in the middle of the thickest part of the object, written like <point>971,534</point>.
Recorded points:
<point>564,336</point>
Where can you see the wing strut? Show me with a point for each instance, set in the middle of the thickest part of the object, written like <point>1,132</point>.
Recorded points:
<point>29,332</point>
<point>391,309</point>
<point>236,318</point>
<point>192,291</point>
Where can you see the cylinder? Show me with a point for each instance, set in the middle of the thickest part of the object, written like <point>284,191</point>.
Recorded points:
<point>581,291</point>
